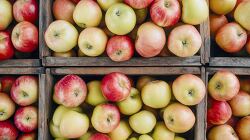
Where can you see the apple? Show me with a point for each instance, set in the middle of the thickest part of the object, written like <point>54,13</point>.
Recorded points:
<point>26,10</point>
<point>61,139</point>
<point>131,104</point>
<point>245,85</point>
<point>8,131</point>
<point>142,122</point>
<point>6,83</point>
<point>70,53</point>
<point>241,14</point>
<point>138,4</point>
<point>120,48</point>
<point>105,4</point>
<point>223,89</point>
<point>222,132</point>
<point>24,91</point>
<point>7,107</point>
<point>179,138</point>
<point>115,86</point>
<point>120,19</point>
<point>145,137</point>
<point>189,89</point>
<point>87,14</point>
<point>54,130</point>
<point>6,14</point>
<point>134,138</point>
<point>26,119</point>
<point>92,41</point>
<point>86,136</point>
<point>63,10</point>
<point>231,37</point>
<point>184,41</point>
<point>76,1</point>
<point>161,132</point>
<point>218,112</point>
<point>73,124</point>
<point>28,136</point>
<point>242,128</point>
<point>6,46</point>
<point>105,118</point>
<point>248,46</point>
<point>165,13</point>
<point>150,40</point>
<point>99,136</point>
<point>156,94</point>
<point>222,7</point>
<point>216,22</point>
<point>142,81</point>
<point>240,104</point>
<point>178,118</point>
<point>122,131</point>
<point>94,96</point>
<point>70,91</point>
<point>80,53</point>
<point>194,11</point>
<point>25,37</point>
<point>141,15</point>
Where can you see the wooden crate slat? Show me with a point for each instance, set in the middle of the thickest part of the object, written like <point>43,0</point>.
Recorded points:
<point>20,63</point>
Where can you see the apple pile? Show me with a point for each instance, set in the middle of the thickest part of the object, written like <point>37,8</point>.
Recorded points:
<point>228,113</point>
<point>230,25</point>
<point>113,109</point>
<point>119,28</point>
<point>18,97</point>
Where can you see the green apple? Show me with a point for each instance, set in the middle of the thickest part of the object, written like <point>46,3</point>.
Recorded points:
<point>142,122</point>
<point>131,104</point>
<point>59,112</point>
<point>161,132</point>
<point>54,130</point>
<point>133,138</point>
<point>142,81</point>
<point>121,132</point>
<point>86,136</point>
<point>146,137</point>
<point>194,11</point>
<point>61,139</point>
<point>222,7</point>
<point>120,19</point>
<point>94,96</point>
<point>105,4</point>
<point>141,15</point>
<point>179,138</point>
<point>156,94</point>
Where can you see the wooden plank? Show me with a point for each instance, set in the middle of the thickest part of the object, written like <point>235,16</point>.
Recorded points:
<point>230,61</point>
<point>21,71</point>
<point>41,108</point>
<point>20,63</point>
<point>237,71</point>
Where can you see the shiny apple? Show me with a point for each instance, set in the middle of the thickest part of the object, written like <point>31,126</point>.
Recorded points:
<point>63,10</point>
<point>216,22</point>
<point>7,107</point>
<point>8,131</point>
<point>240,104</point>
<point>26,10</point>
<point>6,14</point>
<point>138,4</point>
<point>242,128</point>
<point>6,46</point>
<point>121,132</point>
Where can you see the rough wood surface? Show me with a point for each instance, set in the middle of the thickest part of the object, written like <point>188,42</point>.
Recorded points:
<point>20,63</point>
<point>237,71</point>
<point>230,61</point>
<point>21,71</point>
<point>41,111</point>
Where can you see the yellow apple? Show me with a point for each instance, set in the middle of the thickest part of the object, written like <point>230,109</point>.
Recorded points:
<point>94,96</point>
<point>121,132</point>
<point>105,4</point>
<point>222,132</point>
<point>161,132</point>
<point>242,14</point>
<point>222,7</point>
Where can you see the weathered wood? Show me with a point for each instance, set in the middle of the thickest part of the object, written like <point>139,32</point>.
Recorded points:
<point>237,71</point>
<point>21,71</point>
<point>41,111</point>
<point>20,63</point>
<point>230,61</point>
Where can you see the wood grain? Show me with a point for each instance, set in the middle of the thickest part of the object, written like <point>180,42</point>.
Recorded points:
<point>20,63</point>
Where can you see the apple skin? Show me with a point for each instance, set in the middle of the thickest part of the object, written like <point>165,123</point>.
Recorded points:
<point>175,117</point>
<point>138,4</point>
<point>141,15</point>
<point>115,87</point>
<point>105,118</point>
<point>245,85</point>
<point>189,89</point>
<point>120,19</point>
<point>26,10</point>
<point>86,136</point>
<point>99,136</point>
<point>142,122</point>
<point>184,41</point>
<point>242,128</point>
<point>142,81</point>
<point>223,89</point>
<point>6,46</point>
<point>231,37</point>
<point>26,119</point>
<point>179,138</point>
<point>165,13</point>
<point>120,48</point>
<point>54,130</point>
<point>28,136</point>
<point>6,14</point>
<point>240,104</point>
<point>105,4</point>
<point>24,91</point>
<point>6,83</point>
<point>70,91</point>
<point>7,107</point>
<point>145,137</point>
<point>25,37</point>
<point>63,10</point>
<point>94,96</point>
<point>150,40</point>
<point>222,7</point>
<point>8,131</point>
<point>216,22</point>
<point>161,132</point>
<point>241,14</point>
<point>122,131</point>
<point>218,112</point>
<point>222,132</point>
<point>248,45</point>
<point>70,53</point>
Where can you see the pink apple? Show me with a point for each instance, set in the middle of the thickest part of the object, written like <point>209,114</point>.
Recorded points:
<point>240,104</point>
<point>70,91</point>
<point>63,10</point>
<point>165,13</point>
<point>8,131</point>
<point>25,37</point>
<point>26,10</point>
<point>115,86</point>
<point>6,83</point>
<point>27,136</point>
<point>150,40</point>
<point>99,136</point>
<point>120,48</point>
<point>6,46</point>
<point>138,4</point>
<point>216,22</point>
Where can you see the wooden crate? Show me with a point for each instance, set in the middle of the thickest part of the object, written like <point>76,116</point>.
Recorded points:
<point>41,77</point>
<point>50,61</point>
<point>93,73</point>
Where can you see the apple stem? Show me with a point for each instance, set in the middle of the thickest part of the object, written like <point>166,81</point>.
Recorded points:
<point>118,13</point>
<point>2,113</point>
<point>25,94</point>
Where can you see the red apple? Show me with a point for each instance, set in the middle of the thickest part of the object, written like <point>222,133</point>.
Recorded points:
<point>26,119</point>
<point>115,86</point>
<point>25,37</point>
<point>219,112</point>
<point>7,107</point>
<point>63,10</point>
<point>240,104</point>
<point>165,13</point>
<point>120,48</point>
<point>138,4</point>
<point>26,10</point>
<point>216,22</point>
<point>99,136</point>
<point>6,46</point>
<point>243,127</point>
<point>231,37</point>
<point>8,131</point>
<point>150,40</point>
<point>248,45</point>
<point>70,91</point>
<point>28,136</point>
<point>6,83</point>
